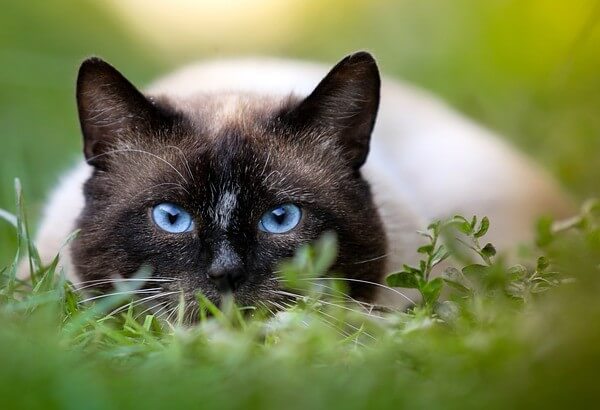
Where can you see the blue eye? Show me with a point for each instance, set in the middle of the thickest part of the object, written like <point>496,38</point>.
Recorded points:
<point>280,219</point>
<point>172,218</point>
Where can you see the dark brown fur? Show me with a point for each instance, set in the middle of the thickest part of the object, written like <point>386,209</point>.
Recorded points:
<point>302,151</point>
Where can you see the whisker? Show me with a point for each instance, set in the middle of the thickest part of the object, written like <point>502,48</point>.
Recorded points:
<point>304,322</point>
<point>385,255</point>
<point>261,303</point>
<point>365,282</point>
<point>117,279</point>
<point>151,308</point>
<point>90,284</point>
<point>141,301</point>
<point>132,304</point>
<point>277,305</point>
<point>166,312</point>
<point>140,152</point>
<point>185,160</point>
<point>368,307</point>
<point>295,295</point>
<point>173,312</point>
<point>163,184</point>
<point>127,292</point>
<point>165,305</point>
<point>194,313</point>
<point>365,305</point>
<point>358,329</point>
<point>333,326</point>
<point>289,305</point>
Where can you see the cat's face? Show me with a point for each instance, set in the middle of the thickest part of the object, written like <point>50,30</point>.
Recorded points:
<point>216,201</point>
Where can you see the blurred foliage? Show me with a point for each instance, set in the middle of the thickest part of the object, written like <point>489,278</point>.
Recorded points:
<point>525,68</point>
<point>499,341</point>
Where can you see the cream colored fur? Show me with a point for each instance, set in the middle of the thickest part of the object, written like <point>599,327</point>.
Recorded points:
<point>426,160</point>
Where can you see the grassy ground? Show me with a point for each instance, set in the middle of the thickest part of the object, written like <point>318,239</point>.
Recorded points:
<point>525,68</point>
<point>528,69</point>
<point>517,336</point>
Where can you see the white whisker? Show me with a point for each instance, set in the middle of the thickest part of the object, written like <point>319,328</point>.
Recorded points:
<point>140,152</point>
<point>396,291</point>
<point>365,305</point>
<point>185,160</point>
<point>127,292</point>
<point>289,306</point>
<point>117,279</point>
<point>165,305</point>
<point>90,284</point>
<point>261,303</point>
<point>173,312</point>
<point>140,301</point>
<point>370,260</point>
<point>150,308</point>
<point>277,305</point>
<point>296,296</point>
<point>163,184</point>
<point>349,324</point>
<point>165,312</point>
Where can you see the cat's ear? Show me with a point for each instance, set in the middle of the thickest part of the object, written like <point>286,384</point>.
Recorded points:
<point>344,105</point>
<point>110,109</point>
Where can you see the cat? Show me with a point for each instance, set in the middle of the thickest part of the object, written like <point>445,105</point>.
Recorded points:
<point>222,169</point>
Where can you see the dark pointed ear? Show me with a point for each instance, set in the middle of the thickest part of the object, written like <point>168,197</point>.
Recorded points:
<point>344,105</point>
<point>110,108</point>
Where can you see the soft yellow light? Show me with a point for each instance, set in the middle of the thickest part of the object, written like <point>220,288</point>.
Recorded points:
<point>179,25</point>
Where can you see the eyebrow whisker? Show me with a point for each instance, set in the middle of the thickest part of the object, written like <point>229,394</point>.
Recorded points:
<point>141,152</point>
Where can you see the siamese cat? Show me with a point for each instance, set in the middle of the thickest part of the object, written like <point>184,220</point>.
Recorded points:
<point>221,170</point>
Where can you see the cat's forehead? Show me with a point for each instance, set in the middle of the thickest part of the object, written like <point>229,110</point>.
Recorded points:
<point>215,114</point>
<point>230,134</point>
<point>228,148</point>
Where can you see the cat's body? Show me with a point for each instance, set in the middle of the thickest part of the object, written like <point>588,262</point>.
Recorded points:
<point>425,160</point>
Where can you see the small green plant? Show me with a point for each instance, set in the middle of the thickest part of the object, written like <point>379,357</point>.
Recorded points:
<point>435,252</point>
<point>419,277</point>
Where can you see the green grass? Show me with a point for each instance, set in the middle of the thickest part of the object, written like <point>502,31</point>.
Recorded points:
<point>511,336</point>
<point>506,336</point>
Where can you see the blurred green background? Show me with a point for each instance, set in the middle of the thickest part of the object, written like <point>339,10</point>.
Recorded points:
<point>528,69</point>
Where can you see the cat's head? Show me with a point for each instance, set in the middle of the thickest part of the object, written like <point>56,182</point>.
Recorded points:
<point>214,191</point>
